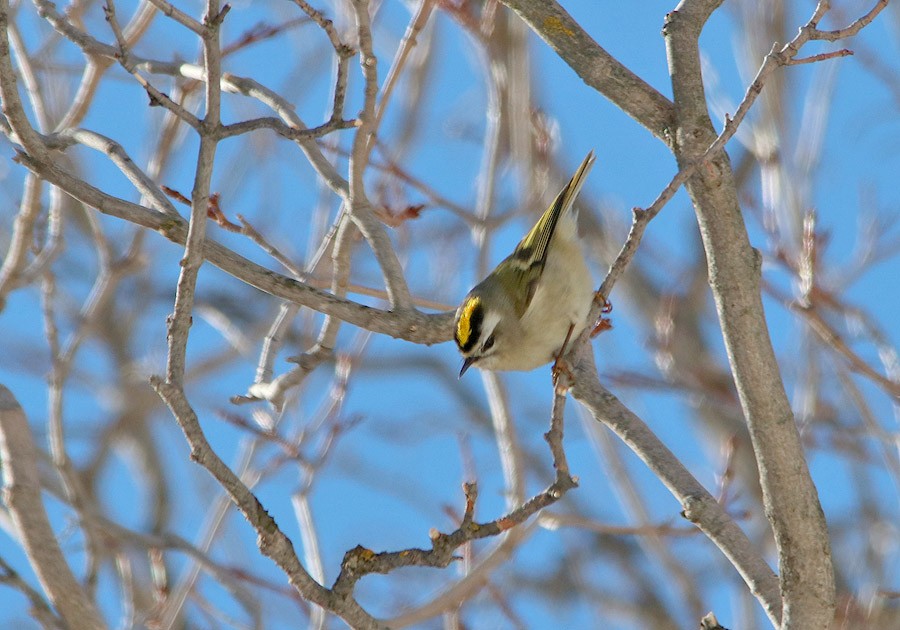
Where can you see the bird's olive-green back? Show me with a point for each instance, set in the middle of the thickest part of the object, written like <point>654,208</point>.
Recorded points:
<point>520,272</point>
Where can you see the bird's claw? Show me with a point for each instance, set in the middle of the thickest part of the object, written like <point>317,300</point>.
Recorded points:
<point>561,367</point>
<point>604,323</point>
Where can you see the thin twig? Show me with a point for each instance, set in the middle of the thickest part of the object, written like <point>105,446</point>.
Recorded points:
<point>359,561</point>
<point>830,337</point>
<point>179,16</point>
<point>777,57</point>
<point>357,201</point>
<point>415,26</point>
<point>820,57</point>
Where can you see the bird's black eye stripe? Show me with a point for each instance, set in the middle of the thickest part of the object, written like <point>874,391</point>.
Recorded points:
<point>488,344</point>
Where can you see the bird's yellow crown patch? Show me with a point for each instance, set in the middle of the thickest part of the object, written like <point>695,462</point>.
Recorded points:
<point>464,324</point>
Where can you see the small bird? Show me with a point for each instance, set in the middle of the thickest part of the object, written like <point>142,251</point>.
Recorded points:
<point>522,315</point>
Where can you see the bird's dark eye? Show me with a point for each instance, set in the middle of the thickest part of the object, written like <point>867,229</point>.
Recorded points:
<point>488,344</point>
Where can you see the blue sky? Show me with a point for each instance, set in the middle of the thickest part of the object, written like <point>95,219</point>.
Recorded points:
<point>418,434</point>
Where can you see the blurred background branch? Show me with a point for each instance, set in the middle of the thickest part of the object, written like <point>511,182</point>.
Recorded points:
<point>353,168</point>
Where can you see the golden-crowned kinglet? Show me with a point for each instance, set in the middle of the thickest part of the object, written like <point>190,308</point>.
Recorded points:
<point>520,316</point>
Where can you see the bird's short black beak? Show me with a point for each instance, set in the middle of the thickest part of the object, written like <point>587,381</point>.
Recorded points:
<point>467,363</point>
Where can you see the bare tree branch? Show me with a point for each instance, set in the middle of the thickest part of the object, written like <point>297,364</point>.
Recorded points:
<point>411,325</point>
<point>313,202</point>
<point>699,506</point>
<point>597,67</point>
<point>22,493</point>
